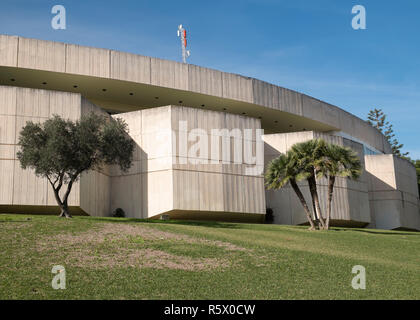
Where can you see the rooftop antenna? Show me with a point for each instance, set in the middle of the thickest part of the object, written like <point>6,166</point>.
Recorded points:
<point>182,33</point>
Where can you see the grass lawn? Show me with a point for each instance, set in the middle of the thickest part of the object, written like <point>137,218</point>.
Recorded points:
<point>112,258</point>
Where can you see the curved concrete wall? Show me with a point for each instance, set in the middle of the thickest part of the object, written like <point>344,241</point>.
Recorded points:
<point>23,53</point>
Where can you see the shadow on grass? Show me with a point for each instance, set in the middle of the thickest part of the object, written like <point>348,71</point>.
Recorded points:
<point>211,224</point>
<point>386,233</point>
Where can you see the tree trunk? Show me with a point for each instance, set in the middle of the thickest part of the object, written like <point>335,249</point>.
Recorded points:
<point>315,199</point>
<point>65,213</point>
<point>331,182</point>
<point>65,209</point>
<point>303,201</point>
<point>62,204</point>
<point>315,211</point>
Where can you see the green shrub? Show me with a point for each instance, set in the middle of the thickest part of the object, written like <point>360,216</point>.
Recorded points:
<point>269,216</point>
<point>118,213</point>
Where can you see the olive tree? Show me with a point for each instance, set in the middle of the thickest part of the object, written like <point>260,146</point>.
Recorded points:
<point>60,150</point>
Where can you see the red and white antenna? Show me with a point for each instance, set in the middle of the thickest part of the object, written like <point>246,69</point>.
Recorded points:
<point>182,33</point>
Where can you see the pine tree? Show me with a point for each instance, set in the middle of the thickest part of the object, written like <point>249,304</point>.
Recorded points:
<point>377,119</point>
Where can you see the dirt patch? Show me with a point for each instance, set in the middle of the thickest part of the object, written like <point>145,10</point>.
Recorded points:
<point>140,258</point>
<point>105,246</point>
<point>113,232</point>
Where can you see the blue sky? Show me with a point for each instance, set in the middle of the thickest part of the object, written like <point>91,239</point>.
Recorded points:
<point>305,45</point>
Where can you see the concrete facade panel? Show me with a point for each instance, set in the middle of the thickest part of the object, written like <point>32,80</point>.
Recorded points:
<point>211,191</point>
<point>311,108</point>
<point>265,94</point>
<point>160,192</point>
<point>28,189</point>
<point>392,192</point>
<point>8,50</point>
<point>233,193</point>
<point>6,181</point>
<point>186,190</point>
<point>42,55</point>
<point>7,152</point>
<point>67,105</point>
<point>165,73</point>
<point>209,120</point>
<point>130,67</point>
<point>7,129</point>
<point>87,61</point>
<point>8,100</point>
<point>237,87</point>
<point>126,193</point>
<point>279,202</point>
<point>205,81</point>
<point>33,103</point>
<point>289,101</point>
<point>155,120</point>
<point>95,193</point>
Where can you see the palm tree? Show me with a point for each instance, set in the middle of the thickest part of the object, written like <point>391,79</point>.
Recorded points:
<point>310,158</point>
<point>339,162</point>
<point>284,170</point>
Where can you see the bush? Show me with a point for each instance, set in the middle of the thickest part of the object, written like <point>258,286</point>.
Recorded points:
<point>269,216</point>
<point>118,213</point>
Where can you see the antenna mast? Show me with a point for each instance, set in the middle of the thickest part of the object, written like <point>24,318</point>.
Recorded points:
<point>182,33</point>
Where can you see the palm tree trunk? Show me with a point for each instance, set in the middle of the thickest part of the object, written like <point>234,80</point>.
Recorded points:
<point>314,208</point>
<point>331,182</point>
<point>315,199</point>
<point>303,201</point>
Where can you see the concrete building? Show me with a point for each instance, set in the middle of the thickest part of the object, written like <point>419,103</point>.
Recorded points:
<point>174,112</point>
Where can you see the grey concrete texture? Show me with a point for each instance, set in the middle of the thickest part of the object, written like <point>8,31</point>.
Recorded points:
<point>17,106</point>
<point>22,188</point>
<point>169,178</point>
<point>232,88</point>
<point>393,192</point>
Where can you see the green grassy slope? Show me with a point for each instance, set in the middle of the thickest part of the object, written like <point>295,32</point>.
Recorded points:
<point>107,258</point>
